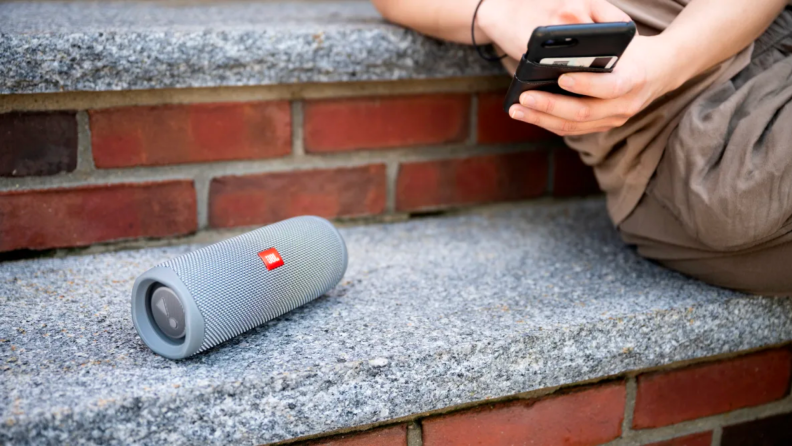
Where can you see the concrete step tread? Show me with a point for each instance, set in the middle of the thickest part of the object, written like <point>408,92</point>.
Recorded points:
<point>101,46</point>
<point>432,313</point>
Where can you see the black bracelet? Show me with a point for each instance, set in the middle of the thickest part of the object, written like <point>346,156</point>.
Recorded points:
<point>481,54</point>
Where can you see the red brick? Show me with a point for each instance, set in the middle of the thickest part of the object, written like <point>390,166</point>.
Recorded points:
<point>37,143</point>
<point>665,398</point>
<point>266,198</point>
<point>481,179</point>
<point>570,176</point>
<point>193,133</point>
<point>391,436</point>
<point>700,439</point>
<point>586,417</point>
<point>335,125</point>
<point>772,431</point>
<point>495,126</point>
<point>41,219</point>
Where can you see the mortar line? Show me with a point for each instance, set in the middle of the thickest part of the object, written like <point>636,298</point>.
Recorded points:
<point>629,405</point>
<point>415,433</point>
<point>82,100</point>
<point>717,434</point>
<point>85,162</point>
<point>213,235</point>
<point>247,167</point>
<point>201,184</point>
<point>298,149</point>
<point>473,119</point>
<point>391,179</point>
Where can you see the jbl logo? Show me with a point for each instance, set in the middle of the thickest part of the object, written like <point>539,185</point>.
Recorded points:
<point>271,258</point>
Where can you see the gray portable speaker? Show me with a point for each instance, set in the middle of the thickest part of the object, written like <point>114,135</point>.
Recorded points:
<point>193,302</point>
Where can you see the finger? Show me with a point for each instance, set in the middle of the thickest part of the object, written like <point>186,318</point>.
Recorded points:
<point>573,109</point>
<point>557,125</point>
<point>598,85</point>
<point>603,11</point>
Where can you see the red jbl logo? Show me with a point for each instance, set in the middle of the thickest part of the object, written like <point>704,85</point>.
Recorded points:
<point>272,258</point>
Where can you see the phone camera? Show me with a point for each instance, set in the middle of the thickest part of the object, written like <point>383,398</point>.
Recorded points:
<point>563,42</point>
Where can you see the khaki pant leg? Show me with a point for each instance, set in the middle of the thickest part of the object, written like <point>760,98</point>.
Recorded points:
<point>763,269</point>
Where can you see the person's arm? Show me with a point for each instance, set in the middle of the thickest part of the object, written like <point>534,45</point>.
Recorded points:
<point>506,23</point>
<point>708,32</point>
<point>443,19</point>
<point>704,34</point>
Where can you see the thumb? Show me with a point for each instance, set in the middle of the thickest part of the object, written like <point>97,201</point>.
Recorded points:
<point>597,85</point>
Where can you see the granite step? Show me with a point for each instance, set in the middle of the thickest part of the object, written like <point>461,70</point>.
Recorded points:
<point>134,45</point>
<point>432,313</point>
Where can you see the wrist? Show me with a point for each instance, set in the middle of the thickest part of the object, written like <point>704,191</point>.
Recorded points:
<point>485,20</point>
<point>677,60</point>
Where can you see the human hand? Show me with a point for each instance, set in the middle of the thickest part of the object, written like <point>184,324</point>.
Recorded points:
<point>508,24</point>
<point>645,72</point>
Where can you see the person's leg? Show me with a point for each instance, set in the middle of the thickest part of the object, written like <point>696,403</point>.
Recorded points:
<point>658,235</point>
<point>726,172</point>
<point>720,205</point>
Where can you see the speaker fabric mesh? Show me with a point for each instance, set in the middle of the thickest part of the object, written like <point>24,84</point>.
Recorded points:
<point>235,292</point>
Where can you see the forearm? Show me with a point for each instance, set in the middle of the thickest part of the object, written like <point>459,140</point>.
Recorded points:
<point>443,19</point>
<point>708,32</point>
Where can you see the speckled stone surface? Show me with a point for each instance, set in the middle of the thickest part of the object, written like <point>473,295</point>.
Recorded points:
<point>432,313</point>
<point>97,46</point>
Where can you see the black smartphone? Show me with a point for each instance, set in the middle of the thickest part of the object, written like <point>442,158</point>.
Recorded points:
<point>555,50</point>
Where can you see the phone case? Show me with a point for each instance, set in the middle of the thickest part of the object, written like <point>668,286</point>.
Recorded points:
<point>534,76</point>
<point>592,40</point>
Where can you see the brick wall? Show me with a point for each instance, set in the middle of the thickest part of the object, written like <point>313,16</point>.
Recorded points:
<point>78,169</point>
<point>81,169</point>
<point>738,401</point>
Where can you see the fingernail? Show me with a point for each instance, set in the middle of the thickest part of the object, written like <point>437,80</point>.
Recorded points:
<point>529,101</point>
<point>517,114</point>
<point>566,81</point>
